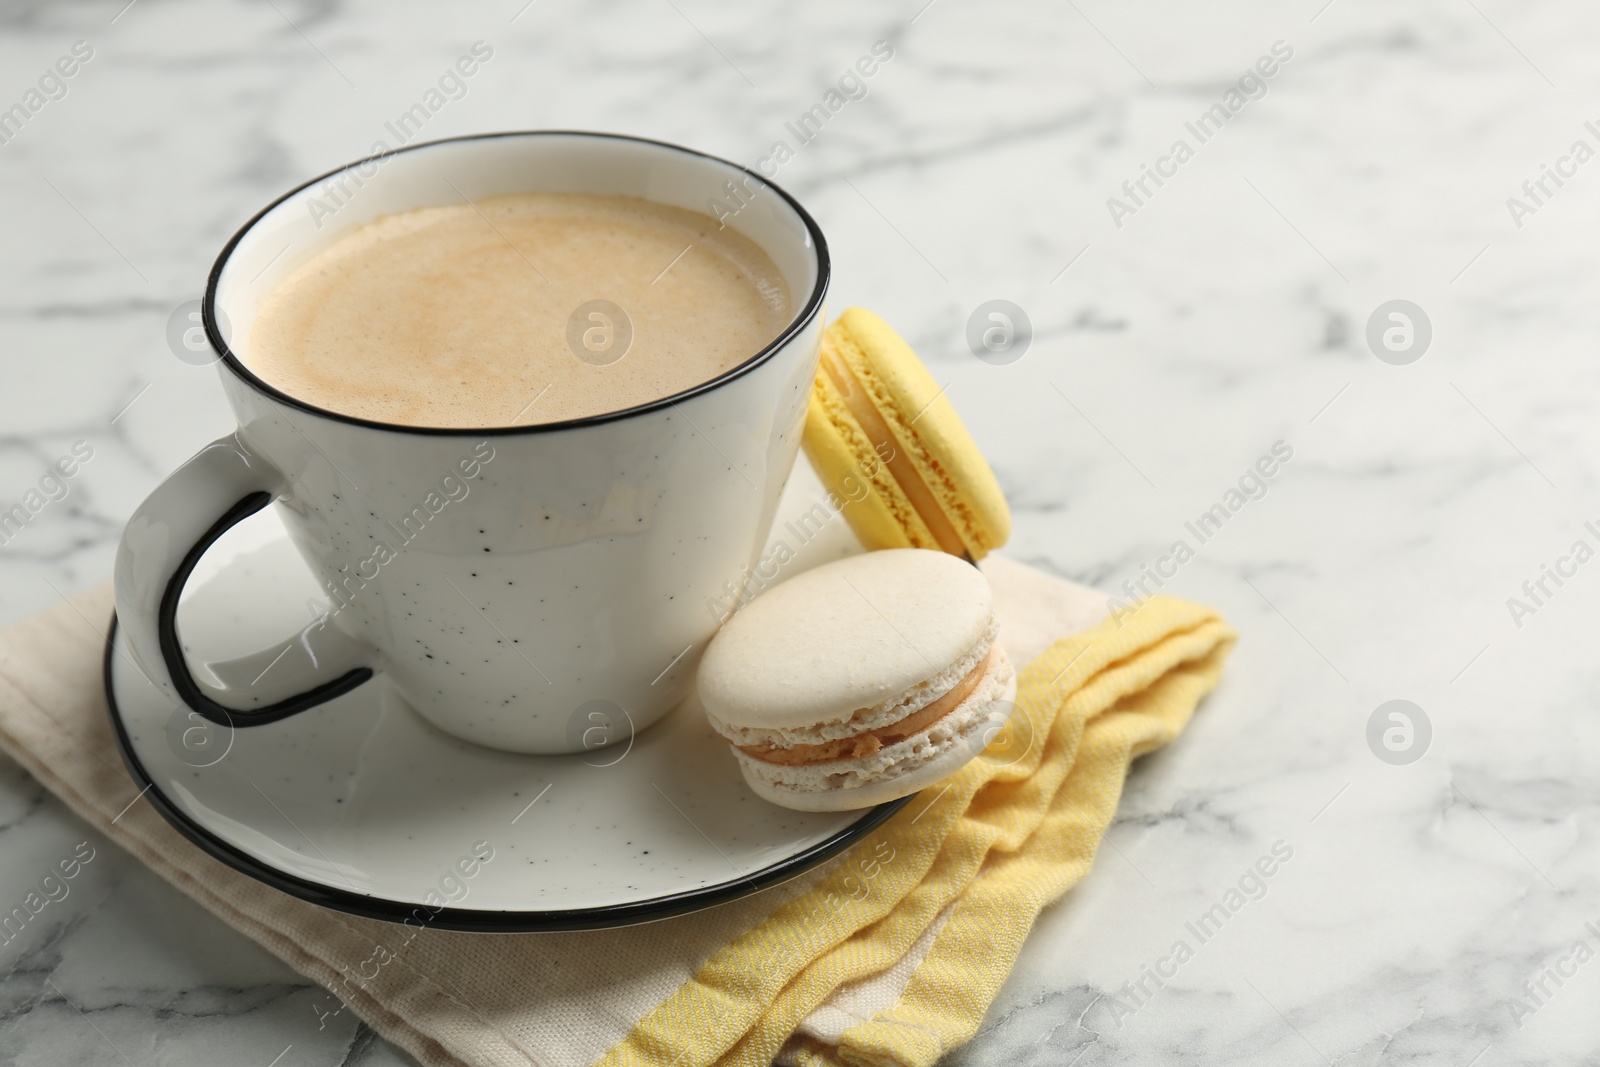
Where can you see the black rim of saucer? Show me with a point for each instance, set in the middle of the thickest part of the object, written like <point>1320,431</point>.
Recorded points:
<point>466,919</point>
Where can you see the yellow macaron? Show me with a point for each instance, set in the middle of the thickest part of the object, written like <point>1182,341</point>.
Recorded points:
<point>884,438</point>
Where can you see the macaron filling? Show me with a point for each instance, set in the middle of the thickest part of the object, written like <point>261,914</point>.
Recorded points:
<point>884,443</point>
<point>872,741</point>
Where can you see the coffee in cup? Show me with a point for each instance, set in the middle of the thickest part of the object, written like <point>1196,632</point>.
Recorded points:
<point>527,308</point>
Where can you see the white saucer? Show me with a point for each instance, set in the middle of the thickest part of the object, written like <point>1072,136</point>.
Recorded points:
<point>363,807</point>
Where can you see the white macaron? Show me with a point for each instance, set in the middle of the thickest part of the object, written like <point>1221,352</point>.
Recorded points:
<point>860,682</point>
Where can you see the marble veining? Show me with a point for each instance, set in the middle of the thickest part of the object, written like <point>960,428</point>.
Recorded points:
<point>1426,903</point>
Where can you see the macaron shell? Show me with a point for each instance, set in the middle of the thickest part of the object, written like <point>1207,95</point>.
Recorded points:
<point>873,793</point>
<point>843,457</point>
<point>844,636</point>
<point>921,416</point>
<point>995,702</point>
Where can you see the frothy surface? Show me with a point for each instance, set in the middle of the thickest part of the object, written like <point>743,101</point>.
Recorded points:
<point>458,316</point>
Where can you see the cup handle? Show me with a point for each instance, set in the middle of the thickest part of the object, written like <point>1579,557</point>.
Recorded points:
<point>220,486</point>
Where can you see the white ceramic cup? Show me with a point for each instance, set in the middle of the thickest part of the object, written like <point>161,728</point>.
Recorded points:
<point>519,586</point>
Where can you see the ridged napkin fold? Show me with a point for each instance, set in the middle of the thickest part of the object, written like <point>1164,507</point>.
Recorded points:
<point>888,954</point>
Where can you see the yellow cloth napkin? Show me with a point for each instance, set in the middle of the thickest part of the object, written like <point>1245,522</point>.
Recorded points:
<point>887,954</point>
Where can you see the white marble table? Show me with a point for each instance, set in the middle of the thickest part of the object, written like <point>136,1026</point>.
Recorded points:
<point>1227,311</point>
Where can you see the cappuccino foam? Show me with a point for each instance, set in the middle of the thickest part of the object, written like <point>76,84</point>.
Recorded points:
<point>505,311</point>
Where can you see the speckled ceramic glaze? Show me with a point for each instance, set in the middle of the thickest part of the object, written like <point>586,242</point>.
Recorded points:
<point>363,806</point>
<point>511,583</point>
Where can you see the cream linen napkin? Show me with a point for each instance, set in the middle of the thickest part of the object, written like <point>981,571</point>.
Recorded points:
<point>887,976</point>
